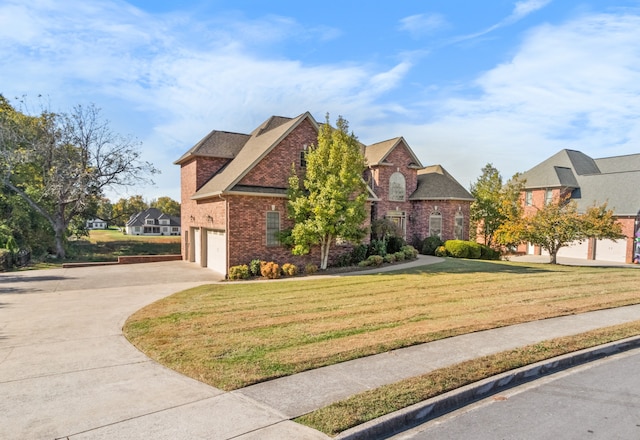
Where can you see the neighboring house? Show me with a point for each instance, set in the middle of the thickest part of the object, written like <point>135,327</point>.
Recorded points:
<point>96,223</point>
<point>152,222</point>
<point>234,193</point>
<point>614,180</point>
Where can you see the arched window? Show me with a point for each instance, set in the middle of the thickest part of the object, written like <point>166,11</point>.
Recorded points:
<point>397,187</point>
<point>435,224</point>
<point>458,227</point>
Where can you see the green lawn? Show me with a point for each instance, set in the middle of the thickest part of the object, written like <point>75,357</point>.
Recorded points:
<point>109,244</point>
<point>231,335</point>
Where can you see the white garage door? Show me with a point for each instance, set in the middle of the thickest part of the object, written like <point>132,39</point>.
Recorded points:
<point>575,250</point>
<point>609,250</point>
<point>217,251</point>
<point>197,246</point>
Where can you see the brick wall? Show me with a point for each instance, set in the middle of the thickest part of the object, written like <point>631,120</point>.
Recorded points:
<point>247,238</point>
<point>274,169</point>
<point>422,210</point>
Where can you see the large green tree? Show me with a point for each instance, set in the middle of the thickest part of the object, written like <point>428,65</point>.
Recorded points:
<point>329,202</point>
<point>123,209</point>
<point>559,223</point>
<point>60,162</point>
<point>166,205</point>
<point>495,203</point>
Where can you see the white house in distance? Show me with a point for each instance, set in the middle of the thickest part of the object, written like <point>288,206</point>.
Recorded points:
<point>96,223</point>
<point>152,222</point>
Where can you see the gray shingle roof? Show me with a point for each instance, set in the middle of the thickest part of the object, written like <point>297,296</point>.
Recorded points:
<point>375,154</point>
<point>615,180</point>
<point>221,144</point>
<point>435,183</point>
<point>154,214</point>
<point>260,142</point>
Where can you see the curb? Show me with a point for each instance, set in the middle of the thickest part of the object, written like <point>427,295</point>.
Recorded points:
<point>422,412</point>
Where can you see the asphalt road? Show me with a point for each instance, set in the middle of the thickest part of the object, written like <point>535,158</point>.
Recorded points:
<point>600,400</point>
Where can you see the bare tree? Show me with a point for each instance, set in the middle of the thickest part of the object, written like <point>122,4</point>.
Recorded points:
<point>58,162</point>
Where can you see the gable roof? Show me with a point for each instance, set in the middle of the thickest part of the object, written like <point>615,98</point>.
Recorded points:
<point>376,154</point>
<point>261,141</point>
<point>139,219</point>
<point>614,180</point>
<point>560,170</point>
<point>222,144</point>
<point>435,183</point>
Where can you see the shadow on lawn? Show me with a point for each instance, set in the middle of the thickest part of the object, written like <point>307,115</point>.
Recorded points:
<point>457,266</point>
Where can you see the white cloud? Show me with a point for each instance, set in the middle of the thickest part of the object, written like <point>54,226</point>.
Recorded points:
<point>520,11</point>
<point>524,8</point>
<point>423,24</point>
<point>178,74</point>
<point>575,85</point>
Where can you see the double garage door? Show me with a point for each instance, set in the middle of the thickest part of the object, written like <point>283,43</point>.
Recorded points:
<point>210,249</point>
<point>606,250</point>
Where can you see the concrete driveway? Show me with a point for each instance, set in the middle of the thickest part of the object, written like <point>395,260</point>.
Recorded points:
<point>67,372</point>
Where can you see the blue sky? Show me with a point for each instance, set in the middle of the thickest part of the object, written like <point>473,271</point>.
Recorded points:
<point>465,82</point>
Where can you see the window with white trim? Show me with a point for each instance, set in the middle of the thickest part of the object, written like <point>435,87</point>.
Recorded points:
<point>273,228</point>
<point>435,224</point>
<point>548,197</point>
<point>397,187</point>
<point>458,226</point>
<point>528,197</point>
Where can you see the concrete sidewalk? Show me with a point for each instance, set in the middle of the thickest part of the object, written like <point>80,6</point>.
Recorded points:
<point>67,372</point>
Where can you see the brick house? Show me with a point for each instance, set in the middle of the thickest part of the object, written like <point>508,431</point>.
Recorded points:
<point>234,193</point>
<point>589,181</point>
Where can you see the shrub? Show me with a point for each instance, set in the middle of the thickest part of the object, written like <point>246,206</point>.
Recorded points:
<point>289,269</point>
<point>457,248</point>
<point>240,272</point>
<point>399,256</point>
<point>358,253</point>
<point>475,249</point>
<point>430,244</point>
<point>378,247</point>
<point>254,267</point>
<point>410,252</point>
<point>270,270</point>
<point>463,249</point>
<point>310,269</point>
<point>441,251</point>
<point>343,260</point>
<point>394,244</point>
<point>364,263</point>
<point>375,260</point>
<point>390,258</point>
<point>489,253</point>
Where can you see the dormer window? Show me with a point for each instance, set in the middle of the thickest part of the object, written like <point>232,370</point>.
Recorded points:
<point>397,187</point>
<point>149,221</point>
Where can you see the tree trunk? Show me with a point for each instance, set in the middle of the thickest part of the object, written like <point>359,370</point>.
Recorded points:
<point>324,252</point>
<point>553,257</point>
<point>59,229</point>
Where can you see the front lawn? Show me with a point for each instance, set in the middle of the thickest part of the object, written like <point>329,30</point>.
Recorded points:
<point>109,244</point>
<point>231,335</point>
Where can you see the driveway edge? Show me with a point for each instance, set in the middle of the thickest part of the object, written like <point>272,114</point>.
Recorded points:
<point>422,412</point>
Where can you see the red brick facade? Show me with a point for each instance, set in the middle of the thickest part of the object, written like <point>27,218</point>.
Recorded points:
<point>241,212</point>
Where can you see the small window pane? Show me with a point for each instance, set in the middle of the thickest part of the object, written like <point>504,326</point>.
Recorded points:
<point>548,197</point>
<point>458,227</point>
<point>435,224</point>
<point>273,227</point>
